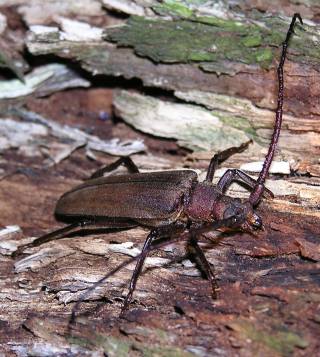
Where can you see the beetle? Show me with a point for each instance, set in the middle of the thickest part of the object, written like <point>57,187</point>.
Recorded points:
<point>170,203</point>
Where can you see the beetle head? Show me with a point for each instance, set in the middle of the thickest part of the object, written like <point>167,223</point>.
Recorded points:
<point>246,219</point>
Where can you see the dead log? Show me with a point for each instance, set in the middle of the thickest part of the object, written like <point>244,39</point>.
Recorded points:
<point>214,76</point>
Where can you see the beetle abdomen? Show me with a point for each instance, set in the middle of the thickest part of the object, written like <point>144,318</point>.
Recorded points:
<point>141,196</point>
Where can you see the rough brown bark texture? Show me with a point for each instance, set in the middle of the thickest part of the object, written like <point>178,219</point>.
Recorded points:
<point>268,303</point>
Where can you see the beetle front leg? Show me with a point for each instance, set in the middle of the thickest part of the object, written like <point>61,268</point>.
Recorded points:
<point>223,155</point>
<point>124,160</point>
<point>208,269</point>
<point>237,175</point>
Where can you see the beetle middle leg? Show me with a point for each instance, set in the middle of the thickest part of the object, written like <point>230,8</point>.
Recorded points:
<point>223,155</point>
<point>124,160</point>
<point>147,247</point>
<point>234,174</point>
<point>137,270</point>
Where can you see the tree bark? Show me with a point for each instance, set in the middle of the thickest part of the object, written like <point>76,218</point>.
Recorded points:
<point>207,80</point>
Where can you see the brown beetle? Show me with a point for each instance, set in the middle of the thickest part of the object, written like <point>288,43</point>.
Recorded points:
<point>169,202</point>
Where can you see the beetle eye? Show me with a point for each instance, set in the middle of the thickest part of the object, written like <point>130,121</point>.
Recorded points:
<point>256,221</point>
<point>229,212</point>
<point>233,211</point>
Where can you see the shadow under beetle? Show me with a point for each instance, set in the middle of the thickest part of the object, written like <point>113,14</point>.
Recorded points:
<point>170,203</point>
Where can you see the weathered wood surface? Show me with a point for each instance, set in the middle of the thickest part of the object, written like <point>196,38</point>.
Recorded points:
<point>270,289</point>
<point>229,60</point>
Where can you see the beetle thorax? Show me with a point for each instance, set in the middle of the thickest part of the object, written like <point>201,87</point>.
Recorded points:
<point>207,204</point>
<point>201,202</point>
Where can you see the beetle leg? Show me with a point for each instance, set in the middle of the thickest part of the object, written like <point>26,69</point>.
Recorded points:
<point>55,235</point>
<point>237,175</point>
<point>137,270</point>
<point>124,160</point>
<point>208,269</point>
<point>169,230</point>
<point>223,155</point>
<point>183,236</point>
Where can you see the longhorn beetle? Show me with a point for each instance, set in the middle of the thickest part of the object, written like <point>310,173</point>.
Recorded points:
<point>170,203</point>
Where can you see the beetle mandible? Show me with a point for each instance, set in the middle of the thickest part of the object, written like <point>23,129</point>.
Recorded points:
<point>170,202</point>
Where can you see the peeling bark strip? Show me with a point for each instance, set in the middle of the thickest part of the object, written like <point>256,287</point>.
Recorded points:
<point>42,81</point>
<point>228,122</point>
<point>28,136</point>
<point>194,79</point>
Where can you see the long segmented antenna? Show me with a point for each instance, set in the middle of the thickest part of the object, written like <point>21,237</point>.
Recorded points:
<point>257,192</point>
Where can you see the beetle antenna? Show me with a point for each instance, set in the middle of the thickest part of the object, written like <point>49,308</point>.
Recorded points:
<point>257,192</point>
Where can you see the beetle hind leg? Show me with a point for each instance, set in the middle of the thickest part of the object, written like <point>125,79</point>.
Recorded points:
<point>124,160</point>
<point>55,235</point>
